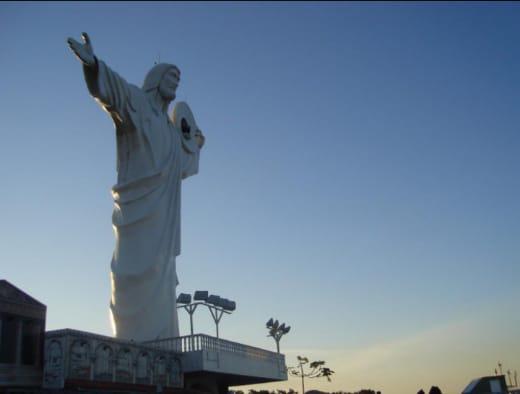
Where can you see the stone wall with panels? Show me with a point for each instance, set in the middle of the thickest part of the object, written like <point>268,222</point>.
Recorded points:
<point>72,355</point>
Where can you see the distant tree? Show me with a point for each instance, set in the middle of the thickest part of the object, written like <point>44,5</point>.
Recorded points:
<point>421,391</point>
<point>435,390</point>
<point>281,392</point>
<point>291,391</point>
<point>317,370</point>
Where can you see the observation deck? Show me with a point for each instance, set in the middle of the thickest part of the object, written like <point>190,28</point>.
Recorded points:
<point>224,362</point>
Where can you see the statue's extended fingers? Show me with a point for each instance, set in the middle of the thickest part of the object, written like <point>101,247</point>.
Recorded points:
<point>73,44</point>
<point>86,38</point>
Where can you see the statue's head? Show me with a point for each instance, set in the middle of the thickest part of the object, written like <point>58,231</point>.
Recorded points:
<point>163,78</point>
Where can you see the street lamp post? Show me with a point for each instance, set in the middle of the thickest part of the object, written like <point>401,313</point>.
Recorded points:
<point>185,301</point>
<point>216,305</point>
<point>277,331</point>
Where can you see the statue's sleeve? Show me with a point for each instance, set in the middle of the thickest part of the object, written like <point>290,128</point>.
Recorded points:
<point>190,163</point>
<point>112,92</point>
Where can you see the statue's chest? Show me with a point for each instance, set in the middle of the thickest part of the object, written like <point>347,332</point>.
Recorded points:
<point>146,149</point>
<point>159,137</point>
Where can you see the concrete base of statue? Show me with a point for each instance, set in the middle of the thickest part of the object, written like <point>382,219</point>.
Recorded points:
<point>81,360</point>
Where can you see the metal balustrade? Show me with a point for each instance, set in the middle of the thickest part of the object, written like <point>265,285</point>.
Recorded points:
<point>198,342</point>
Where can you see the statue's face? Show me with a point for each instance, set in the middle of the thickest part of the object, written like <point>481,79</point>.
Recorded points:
<point>168,85</point>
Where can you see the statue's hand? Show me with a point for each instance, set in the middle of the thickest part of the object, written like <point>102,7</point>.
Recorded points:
<point>200,138</point>
<point>83,52</point>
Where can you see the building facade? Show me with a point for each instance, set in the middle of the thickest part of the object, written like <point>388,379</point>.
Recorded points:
<point>22,333</point>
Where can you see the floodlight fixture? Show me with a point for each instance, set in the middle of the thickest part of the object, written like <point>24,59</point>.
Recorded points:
<point>184,298</point>
<point>201,295</point>
<point>269,324</point>
<point>230,305</point>
<point>223,303</point>
<point>217,305</point>
<point>214,300</point>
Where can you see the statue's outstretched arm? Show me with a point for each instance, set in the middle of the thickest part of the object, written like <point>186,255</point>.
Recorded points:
<point>109,89</point>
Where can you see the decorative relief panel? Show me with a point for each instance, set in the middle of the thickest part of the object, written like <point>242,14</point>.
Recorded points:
<point>53,374</point>
<point>124,366</point>
<point>160,370</point>
<point>103,363</point>
<point>80,360</point>
<point>175,373</point>
<point>142,373</point>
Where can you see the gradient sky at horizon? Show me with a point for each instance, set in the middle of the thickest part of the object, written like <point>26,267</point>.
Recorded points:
<point>359,179</point>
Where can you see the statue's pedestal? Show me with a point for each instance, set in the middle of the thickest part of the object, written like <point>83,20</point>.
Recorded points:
<point>81,360</point>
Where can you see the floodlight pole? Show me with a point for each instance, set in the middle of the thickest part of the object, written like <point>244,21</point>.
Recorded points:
<point>190,308</point>
<point>217,314</point>
<point>303,378</point>
<point>277,331</point>
<point>277,340</point>
<point>215,304</point>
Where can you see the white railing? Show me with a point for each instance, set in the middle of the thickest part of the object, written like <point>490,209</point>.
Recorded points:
<point>198,342</point>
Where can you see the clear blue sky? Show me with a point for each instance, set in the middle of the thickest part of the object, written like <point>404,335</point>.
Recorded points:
<point>360,179</point>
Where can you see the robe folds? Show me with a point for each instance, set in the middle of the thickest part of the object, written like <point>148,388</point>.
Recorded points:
<point>151,163</point>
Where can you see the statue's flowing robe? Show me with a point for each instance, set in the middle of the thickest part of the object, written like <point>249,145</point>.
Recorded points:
<point>151,163</point>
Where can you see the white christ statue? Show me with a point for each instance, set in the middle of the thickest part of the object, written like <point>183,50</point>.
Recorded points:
<point>154,154</point>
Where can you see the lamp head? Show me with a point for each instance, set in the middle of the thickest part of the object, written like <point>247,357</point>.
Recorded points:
<point>214,300</point>
<point>201,295</point>
<point>184,298</point>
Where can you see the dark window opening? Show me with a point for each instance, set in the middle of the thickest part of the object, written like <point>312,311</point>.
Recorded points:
<point>30,342</point>
<point>8,340</point>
